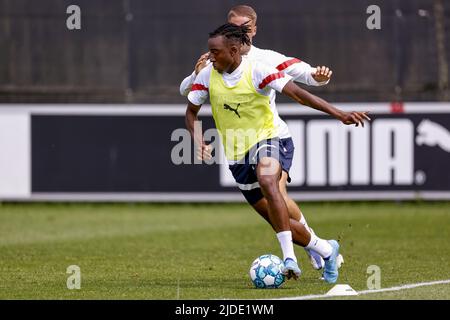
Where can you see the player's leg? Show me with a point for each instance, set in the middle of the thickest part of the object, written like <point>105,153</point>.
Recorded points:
<point>248,183</point>
<point>254,196</point>
<point>295,213</point>
<point>328,250</point>
<point>317,261</point>
<point>286,156</point>
<point>300,236</point>
<point>294,210</point>
<point>268,171</point>
<point>272,158</point>
<point>244,172</point>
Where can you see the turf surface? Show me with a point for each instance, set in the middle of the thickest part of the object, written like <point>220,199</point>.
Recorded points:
<point>181,251</point>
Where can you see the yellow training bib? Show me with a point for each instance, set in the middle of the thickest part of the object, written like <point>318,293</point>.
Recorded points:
<point>242,115</point>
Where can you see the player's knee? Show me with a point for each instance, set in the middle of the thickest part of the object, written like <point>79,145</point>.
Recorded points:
<point>269,167</point>
<point>268,173</point>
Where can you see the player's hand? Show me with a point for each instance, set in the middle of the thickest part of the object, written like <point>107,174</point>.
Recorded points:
<point>322,74</point>
<point>201,63</point>
<point>204,152</point>
<point>356,118</point>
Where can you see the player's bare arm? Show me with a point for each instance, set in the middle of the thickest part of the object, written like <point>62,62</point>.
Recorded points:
<point>308,99</point>
<point>203,151</point>
<point>322,74</point>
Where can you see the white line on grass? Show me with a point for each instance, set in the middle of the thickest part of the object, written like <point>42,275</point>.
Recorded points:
<point>398,288</point>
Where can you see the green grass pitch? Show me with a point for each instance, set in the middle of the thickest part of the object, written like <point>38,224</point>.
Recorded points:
<point>204,251</point>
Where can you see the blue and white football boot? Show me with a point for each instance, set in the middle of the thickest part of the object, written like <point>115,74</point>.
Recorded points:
<point>291,269</point>
<point>331,272</point>
<point>317,261</point>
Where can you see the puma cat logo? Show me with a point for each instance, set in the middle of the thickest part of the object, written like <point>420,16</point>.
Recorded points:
<point>431,134</point>
<point>227,107</point>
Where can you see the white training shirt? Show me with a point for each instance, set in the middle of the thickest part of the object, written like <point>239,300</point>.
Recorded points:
<point>300,71</point>
<point>265,80</point>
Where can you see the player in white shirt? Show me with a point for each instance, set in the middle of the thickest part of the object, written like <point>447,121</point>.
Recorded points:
<point>239,90</point>
<point>300,71</point>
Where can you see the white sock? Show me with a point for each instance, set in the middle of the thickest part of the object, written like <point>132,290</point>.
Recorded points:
<point>303,222</point>
<point>322,247</point>
<point>287,246</point>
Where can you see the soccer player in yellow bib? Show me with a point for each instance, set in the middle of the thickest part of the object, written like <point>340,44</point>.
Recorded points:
<point>239,91</point>
<point>301,72</point>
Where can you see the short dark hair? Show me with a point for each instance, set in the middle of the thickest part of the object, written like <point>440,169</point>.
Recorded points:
<point>232,32</point>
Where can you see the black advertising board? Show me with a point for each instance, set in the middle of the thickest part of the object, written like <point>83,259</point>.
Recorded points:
<point>134,153</point>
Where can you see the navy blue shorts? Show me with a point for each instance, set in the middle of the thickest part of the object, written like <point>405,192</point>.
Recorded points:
<point>244,172</point>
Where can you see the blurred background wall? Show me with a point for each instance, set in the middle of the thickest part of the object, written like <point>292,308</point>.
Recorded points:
<point>138,51</point>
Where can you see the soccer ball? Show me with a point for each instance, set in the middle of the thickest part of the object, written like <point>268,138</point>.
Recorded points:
<point>265,272</point>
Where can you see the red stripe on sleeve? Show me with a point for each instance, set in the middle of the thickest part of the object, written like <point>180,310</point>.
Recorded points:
<point>197,86</point>
<point>288,63</point>
<point>270,78</point>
